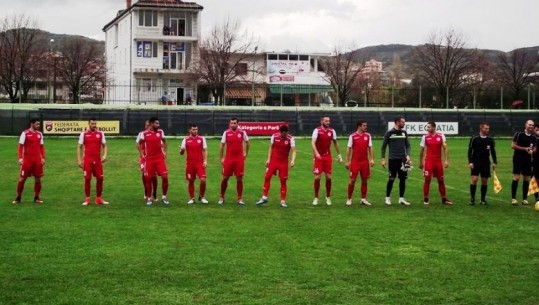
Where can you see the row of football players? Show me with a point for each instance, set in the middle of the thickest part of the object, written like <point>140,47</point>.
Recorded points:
<point>234,148</point>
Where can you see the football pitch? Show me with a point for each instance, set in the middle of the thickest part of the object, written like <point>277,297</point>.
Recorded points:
<point>61,252</point>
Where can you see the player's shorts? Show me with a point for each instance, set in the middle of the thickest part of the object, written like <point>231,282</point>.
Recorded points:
<point>481,169</point>
<point>94,168</point>
<point>522,166</point>
<point>153,167</point>
<point>323,165</point>
<point>31,167</point>
<point>433,169</point>
<point>194,170</point>
<point>362,167</point>
<point>274,167</point>
<point>233,167</point>
<point>394,168</point>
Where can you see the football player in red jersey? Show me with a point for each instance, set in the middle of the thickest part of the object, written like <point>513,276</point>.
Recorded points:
<point>196,162</point>
<point>280,146</point>
<point>359,160</point>
<point>91,153</point>
<point>153,149</point>
<point>31,153</point>
<point>237,149</point>
<point>154,183</point>
<point>323,162</point>
<point>433,142</point>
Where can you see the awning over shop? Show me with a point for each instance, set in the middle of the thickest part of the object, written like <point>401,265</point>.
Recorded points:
<point>241,93</point>
<point>299,89</point>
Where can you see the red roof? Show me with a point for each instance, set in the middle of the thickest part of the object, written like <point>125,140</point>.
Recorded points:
<point>241,93</point>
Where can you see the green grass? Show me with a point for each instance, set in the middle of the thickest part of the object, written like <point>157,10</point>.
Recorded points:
<point>126,253</point>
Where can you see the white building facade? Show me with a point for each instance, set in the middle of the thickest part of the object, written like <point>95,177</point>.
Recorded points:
<point>149,47</point>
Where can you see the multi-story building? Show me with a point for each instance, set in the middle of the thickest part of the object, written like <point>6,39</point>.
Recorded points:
<point>149,47</point>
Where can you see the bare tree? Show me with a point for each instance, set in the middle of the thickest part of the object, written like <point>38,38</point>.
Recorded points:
<point>514,70</point>
<point>220,57</point>
<point>444,61</point>
<point>81,66</point>
<point>342,72</point>
<point>20,55</point>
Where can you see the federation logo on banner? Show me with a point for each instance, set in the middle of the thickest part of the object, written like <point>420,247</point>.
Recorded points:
<point>76,127</point>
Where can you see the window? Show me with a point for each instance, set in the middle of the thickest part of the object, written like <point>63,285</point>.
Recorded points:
<point>283,56</point>
<point>272,56</point>
<point>241,68</point>
<point>173,55</point>
<point>147,49</point>
<point>147,18</point>
<point>304,57</point>
<point>147,85</point>
<point>293,57</point>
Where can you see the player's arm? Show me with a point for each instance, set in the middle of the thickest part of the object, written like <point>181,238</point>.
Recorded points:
<point>470,152</point>
<point>421,156</point>
<point>493,154</point>
<point>20,148</point>
<point>313,144</point>
<point>42,150</point>
<point>408,148</point>
<point>222,148</point>
<point>247,145</point>
<point>384,146</point>
<point>337,148</point>
<point>349,152</point>
<point>80,149</point>
<point>371,152</point>
<point>182,147</point>
<point>105,149</point>
<point>293,160</point>
<point>422,144</point>
<point>348,156</point>
<point>446,154</point>
<point>269,152</point>
<point>205,155</point>
<point>165,146</point>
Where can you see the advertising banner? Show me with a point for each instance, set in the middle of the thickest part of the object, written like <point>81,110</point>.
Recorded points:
<point>76,127</point>
<point>420,128</point>
<point>261,128</point>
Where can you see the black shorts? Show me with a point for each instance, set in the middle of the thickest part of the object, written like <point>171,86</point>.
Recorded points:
<point>522,166</point>
<point>394,168</point>
<point>481,169</point>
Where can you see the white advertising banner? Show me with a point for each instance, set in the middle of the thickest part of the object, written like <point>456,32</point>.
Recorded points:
<point>284,71</point>
<point>420,128</point>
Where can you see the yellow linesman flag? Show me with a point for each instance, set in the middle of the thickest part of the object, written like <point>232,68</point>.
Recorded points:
<point>497,185</point>
<point>534,188</point>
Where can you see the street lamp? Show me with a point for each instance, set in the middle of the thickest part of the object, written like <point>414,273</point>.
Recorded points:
<point>253,80</point>
<point>49,96</point>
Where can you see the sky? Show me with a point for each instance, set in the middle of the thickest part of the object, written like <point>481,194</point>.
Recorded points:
<point>318,26</point>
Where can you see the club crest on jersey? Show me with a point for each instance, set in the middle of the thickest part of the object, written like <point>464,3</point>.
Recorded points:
<point>438,139</point>
<point>286,142</point>
<point>198,141</point>
<point>239,135</point>
<point>488,147</point>
<point>329,134</point>
<point>39,136</point>
<point>365,138</point>
<point>158,135</point>
<point>97,136</point>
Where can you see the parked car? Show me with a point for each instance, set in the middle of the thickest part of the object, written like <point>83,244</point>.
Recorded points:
<point>351,103</point>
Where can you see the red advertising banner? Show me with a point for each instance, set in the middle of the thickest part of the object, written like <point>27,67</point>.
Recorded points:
<point>261,128</point>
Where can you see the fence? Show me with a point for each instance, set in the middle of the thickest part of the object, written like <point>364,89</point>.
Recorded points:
<point>214,120</point>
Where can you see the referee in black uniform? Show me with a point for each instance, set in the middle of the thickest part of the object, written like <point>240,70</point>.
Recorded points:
<point>535,162</point>
<point>524,149</point>
<point>480,149</point>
